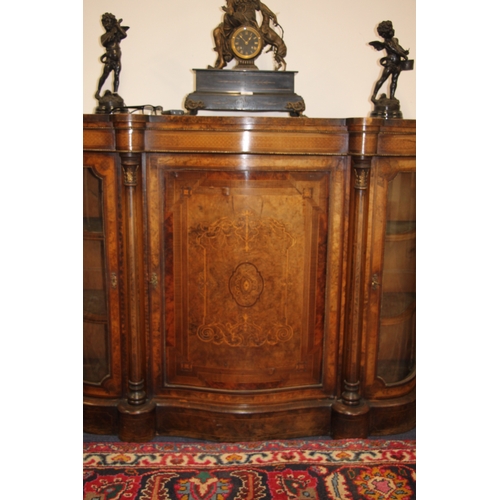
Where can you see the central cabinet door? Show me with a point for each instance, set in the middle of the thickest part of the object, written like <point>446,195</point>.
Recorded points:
<point>240,306</point>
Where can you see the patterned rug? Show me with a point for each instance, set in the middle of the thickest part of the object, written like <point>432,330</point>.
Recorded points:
<point>348,469</point>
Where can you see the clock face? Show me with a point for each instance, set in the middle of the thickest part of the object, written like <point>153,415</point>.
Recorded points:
<point>246,42</point>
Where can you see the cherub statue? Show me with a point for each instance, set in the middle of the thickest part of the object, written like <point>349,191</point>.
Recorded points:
<point>393,62</point>
<point>243,12</point>
<point>115,33</point>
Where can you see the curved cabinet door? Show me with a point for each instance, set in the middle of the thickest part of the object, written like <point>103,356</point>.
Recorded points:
<point>244,261</point>
<point>101,331</point>
<point>238,312</point>
<point>391,342</point>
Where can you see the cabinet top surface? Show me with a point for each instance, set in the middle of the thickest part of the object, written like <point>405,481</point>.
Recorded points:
<point>190,120</point>
<point>248,134</point>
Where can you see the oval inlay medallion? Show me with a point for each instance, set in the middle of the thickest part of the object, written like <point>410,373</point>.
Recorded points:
<point>246,284</point>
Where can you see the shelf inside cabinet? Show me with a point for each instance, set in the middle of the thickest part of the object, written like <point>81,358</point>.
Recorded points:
<point>397,304</point>
<point>94,305</point>
<point>93,225</point>
<point>399,230</point>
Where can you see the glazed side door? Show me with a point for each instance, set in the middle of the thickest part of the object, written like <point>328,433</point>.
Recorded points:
<point>101,278</point>
<point>391,283</point>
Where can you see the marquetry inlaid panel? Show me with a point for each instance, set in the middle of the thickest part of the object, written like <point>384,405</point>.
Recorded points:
<point>98,133</point>
<point>245,141</point>
<point>244,260</point>
<point>240,135</point>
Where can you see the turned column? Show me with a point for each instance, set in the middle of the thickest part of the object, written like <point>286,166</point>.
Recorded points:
<point>354,321</point>
<point>137,422</point>
<point>351,413</point>
<point>136,389</point>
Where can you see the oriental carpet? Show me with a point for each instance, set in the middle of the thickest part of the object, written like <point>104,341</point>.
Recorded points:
<point>347,469</point>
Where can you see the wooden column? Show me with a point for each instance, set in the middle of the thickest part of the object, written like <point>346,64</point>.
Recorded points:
<point>137,414</point>
<point>136,393</point>
<point>354,322</point>
<point>351,413</point>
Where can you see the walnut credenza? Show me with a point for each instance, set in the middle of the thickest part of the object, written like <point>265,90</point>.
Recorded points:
<point>248,278</point>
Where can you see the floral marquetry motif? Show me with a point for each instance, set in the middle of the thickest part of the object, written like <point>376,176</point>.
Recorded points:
<point>244,334</point>
<point>246,284</point>
<point>244,277</point>
<point>246,232</point>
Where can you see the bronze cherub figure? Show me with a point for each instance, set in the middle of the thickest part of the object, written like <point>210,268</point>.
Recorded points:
<point>111,39</point>
<point>395,61</point>
<point>243,13</point>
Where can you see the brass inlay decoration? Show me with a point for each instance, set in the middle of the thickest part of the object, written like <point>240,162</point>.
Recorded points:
<point>130,175</point>
<point>361,176</point>
<point>154,279</point>
<point>193,105</point>
<point>298,107</point>
<point>114,280</point>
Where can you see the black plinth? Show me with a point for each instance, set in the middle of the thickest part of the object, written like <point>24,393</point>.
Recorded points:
<point>386,108</point>
<point>108,102</point>
<point>244,90</point>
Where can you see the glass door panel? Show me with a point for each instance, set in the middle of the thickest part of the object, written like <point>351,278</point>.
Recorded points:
<point>95,313</point>
<point>396,350</point>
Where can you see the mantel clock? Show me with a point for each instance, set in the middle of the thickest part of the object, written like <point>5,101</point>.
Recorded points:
<point>246,45</point>
<point>243,38</point>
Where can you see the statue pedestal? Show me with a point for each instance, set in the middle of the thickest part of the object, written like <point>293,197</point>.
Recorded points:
<point>386,108</point>
<point>244,90</point>
<point>108,102</point>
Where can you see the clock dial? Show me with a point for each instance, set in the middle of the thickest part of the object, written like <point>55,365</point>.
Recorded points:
<point>246,42</point>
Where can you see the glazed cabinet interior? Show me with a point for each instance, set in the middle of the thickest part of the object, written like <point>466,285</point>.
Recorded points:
<point>248,278</point>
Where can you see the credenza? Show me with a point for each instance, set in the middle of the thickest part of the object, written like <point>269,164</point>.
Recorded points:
<point>248,278</point>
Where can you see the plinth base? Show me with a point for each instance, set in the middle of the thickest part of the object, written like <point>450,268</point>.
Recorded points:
<point>136,423</point>
<point>350,421</point>
<point>386,108</point>
<point>244,90</point>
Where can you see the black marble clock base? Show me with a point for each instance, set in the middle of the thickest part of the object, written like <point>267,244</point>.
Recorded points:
<point>244,90</point>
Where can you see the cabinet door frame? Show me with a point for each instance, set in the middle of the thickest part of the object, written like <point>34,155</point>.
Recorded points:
<point>383,171</point>
<point>334,293</point>
<point>104,166</point>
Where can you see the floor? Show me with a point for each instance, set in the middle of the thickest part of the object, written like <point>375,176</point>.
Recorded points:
<point>88,438</point>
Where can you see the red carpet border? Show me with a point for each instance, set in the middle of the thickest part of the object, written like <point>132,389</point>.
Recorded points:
<point>348,469</point>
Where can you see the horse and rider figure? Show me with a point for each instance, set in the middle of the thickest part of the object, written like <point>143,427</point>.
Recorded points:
<point>243,13</point>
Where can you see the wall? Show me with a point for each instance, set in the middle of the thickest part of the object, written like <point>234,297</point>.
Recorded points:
<point>327,44</point>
